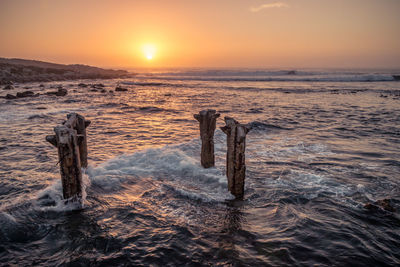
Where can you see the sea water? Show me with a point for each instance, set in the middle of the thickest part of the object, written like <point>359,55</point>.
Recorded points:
<point>323,144</point>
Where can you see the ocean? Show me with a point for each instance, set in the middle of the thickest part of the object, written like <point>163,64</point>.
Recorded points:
<point>323,144</point>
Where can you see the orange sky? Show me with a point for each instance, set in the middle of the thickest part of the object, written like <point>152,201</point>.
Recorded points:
<point>203,33</point>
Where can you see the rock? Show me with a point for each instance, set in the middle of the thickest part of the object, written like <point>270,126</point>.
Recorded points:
<point>82,85</point>
<point>6,81</point>
<point>386,205</point>
<point>25,94</point>
<point>103,90</point>
<point>93,90</point>
<point>120,89</point>
<point>97,85</point>
<point>8,87</point>
<point>61,92</point>
<point>370,206</point>
<point>8,96</point>
<point>382,204</point>
<point>396,77</point>
<point>291,72</point>
<point>41,85</point>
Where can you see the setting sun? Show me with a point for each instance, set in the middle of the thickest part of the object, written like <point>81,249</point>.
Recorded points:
<point>149,51</point>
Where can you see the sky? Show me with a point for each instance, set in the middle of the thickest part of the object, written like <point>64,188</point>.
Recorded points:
<point>206,33</point>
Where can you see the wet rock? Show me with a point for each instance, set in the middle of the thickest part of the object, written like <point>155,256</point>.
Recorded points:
<point>98,85</point>
<point>41,85</point>
<point>120,89</point>
<point>291,72</point>
<point>103,90</point>
<point>370,206</point>
<point>396,77</point>
<point>8,87</point>
<point>8,96</point>
<point>41,108</point>
<point>82,85</point>
<point>380,204</point>
<point>93,90</point>
<point>386,204</point>
<point>5,81</point>
<point>25,94</point>
<point>59,92</point>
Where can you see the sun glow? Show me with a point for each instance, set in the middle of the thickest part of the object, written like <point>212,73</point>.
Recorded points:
<point>149,51</point>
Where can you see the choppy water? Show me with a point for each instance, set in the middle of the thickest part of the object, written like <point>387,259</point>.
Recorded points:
<point>323,144</point>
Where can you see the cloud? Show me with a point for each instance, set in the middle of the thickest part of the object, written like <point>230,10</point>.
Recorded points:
<point>265,6</point>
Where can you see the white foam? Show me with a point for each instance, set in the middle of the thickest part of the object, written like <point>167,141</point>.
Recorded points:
<point>311,184</point>
<point>53,194</point>
<point>175,165</point>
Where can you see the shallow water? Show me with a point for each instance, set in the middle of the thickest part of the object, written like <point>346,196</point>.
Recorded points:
<point>322,145</point>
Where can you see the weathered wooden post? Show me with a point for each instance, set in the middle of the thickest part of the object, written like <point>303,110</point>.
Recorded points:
<point>81,125</point>
<point>70,140</point>
<point>235,156</point>
<point>207,119</point>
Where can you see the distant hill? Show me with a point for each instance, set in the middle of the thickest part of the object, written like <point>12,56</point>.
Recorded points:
<point>23,70</point>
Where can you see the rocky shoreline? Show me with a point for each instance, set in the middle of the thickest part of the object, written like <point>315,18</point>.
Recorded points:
<point>24,71</point>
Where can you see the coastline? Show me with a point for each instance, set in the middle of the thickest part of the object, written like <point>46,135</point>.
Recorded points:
<point>24,71</point>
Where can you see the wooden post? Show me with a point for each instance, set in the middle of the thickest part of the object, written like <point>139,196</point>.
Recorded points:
<point>207,119</point>
<point>70,164</point>
<point>235,156</point>
<point>81,125</point>
<point>70,140</point>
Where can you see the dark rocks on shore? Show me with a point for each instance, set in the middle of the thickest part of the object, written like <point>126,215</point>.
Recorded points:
<point>41,85</point>
<point>8,87</point>
<point>396,77</point>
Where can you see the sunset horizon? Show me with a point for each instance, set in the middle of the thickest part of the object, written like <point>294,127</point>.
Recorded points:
<point>252,34</point>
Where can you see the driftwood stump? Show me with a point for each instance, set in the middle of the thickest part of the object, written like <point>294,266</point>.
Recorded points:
<point>207,120</point>
<point>235,156</point>
<point>70,140</point>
